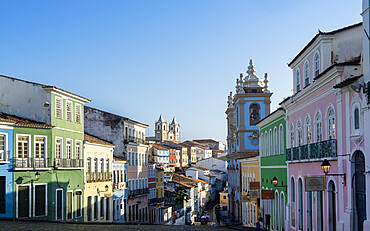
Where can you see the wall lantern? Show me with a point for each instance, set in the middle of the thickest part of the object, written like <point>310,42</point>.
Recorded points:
<point>248,196</point>
<point>326,168</point>
<point>365,89</point>
<point>275,182</point>
<point>37,175</point>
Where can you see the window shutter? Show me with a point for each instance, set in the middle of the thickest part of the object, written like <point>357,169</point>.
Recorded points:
<point>58,108</point>
<point>69,110</point>
<point>78,113</point>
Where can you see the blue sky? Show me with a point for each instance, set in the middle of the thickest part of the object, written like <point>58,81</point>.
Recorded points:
<point>141,58</point>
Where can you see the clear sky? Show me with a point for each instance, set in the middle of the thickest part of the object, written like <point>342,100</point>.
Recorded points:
<point>142,58</point>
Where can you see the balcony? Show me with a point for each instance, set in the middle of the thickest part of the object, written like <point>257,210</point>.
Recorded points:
<point>32,163</point>
<point>323,149</point>
<point>4,156</point>
<point>136,140</point>
<point>98,176</point>
<point>156,200</point>
<point>68,163</point>
<point>137,192</point>
<point>121,185</point>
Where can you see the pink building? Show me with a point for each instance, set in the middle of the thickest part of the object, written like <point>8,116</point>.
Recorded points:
<point>322,123</point>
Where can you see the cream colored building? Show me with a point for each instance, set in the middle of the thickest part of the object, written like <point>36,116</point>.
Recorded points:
<point>98,179</point>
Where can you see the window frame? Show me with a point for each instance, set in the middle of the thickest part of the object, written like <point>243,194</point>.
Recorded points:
<point>298,80</point>
<point>78,113</point>
<point>306,73</point>
<point>61,107</point>
<point>69,113</point>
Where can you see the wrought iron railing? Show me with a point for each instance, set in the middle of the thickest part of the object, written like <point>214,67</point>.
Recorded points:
<point>68,163</point>
<point>4,155</point>
<point>98,176</point>
<point>32,162</point>
<point>137,192</point>
<point>319,150</point>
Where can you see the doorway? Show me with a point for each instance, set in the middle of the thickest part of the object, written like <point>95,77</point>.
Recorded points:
<point>309,211</point>
<point>332,206</point>
<point>23,201</point>
<point>359,190</point>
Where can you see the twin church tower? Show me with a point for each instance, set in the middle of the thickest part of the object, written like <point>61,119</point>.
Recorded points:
<point>165,133</point>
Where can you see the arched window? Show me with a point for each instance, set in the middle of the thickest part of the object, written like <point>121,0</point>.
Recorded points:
<point>299,132</point>
<point>306,74</point>
<point>308,130</point>
<point>262,145</point>
<point>356,117</point>
<point>281,139</point>
<point>298,77</point>
<point>266,144</point>
<point>331,123</point>
<point>292,201</point>
<point>317,64</point>
<point>275,141</point>
<point>270,142</point>
<point>254,113</point>
<point>318,127</point>
<point>291,135</point>
<point>159,127</point>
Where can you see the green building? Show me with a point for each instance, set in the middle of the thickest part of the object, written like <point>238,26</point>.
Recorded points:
<point>48,157</point>
<point>273,168</point>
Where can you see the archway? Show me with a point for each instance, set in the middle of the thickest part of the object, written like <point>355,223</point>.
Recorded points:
<point>282,211</point>
<point>359,190</point>
<point>300,204</point>
<point>332,206</point>
<point>276,215</point>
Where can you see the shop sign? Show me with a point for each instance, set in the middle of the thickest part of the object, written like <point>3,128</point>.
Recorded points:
<point>314,183</point>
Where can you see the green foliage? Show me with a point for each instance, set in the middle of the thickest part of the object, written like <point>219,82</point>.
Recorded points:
<point>180,195</point>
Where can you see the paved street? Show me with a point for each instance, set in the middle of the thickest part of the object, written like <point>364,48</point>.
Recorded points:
<point>49,226</point>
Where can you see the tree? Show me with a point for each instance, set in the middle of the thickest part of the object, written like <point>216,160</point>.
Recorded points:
<point>180,195</point>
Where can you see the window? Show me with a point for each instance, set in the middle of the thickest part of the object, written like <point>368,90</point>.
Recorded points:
<point>78,113</point>
<point>78,203</point>
<point>318,127</point>
<point>281,139</point>
<point>266,144</point>
<point>40,200</point>
<point>95,165</point>
<point>275,141</point>
<point>58,148</point>
<point>69,205</point>
<point>22,151</point>
<point>306,74</point>
<point>308,130</point>
<point>69,110</point>
<point>78,150</point>
<point>317,64</point>
<point>299,133</point>
<point>59,107</point>
<point>40,152</point>
<point>331,123</point>
<point>102,165</point>
<point>298,78</point>
<point>291,135</point>
<point>68,150</point>
<point>270,142</point>
<point>2,147</point>
<point>254,113</point>
<point>107,165</point>
<point>356,116</point>
<point>262,145</point>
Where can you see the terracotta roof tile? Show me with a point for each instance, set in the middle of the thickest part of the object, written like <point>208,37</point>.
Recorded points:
<point>93,139</point>
<point>18,121</point>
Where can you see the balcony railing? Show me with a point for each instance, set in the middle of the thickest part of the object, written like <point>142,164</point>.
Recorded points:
<point>68,163</point>
<point>4,155</point>
<point>98,176</point>
<point>138,192</point>
<point>32,163</point>
<point>319,150</point>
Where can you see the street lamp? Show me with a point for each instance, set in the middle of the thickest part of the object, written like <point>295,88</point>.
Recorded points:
<point>37,175</point>
<point>326,168</point>
<point>275,182</point>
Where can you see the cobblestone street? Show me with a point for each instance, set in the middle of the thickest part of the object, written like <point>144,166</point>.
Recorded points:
<point>49,226</point>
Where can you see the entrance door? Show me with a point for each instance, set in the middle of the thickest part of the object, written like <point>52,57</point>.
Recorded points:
<point>276,215</point>
<point>300,204</point>
<point>332,206</point>
<point>2,191</point>
<point>309,211</point>
<point>59,208</point>
<point>23,201</point>
<point>282,211</point>
<point>360,187</point>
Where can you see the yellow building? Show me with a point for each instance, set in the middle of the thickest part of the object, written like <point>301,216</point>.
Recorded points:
<point>250,172</point>
<point>224,200</point>
<point>98,179</point>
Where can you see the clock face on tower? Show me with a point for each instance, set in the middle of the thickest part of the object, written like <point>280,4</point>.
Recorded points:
<point>254,138</point>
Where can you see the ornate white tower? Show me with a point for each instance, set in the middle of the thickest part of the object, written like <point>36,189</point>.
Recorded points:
<point>161,129</point>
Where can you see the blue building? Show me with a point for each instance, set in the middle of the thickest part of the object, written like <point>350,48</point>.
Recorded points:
<point>119,190</point>
<point>6,173</point>
<point>250,103</point>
